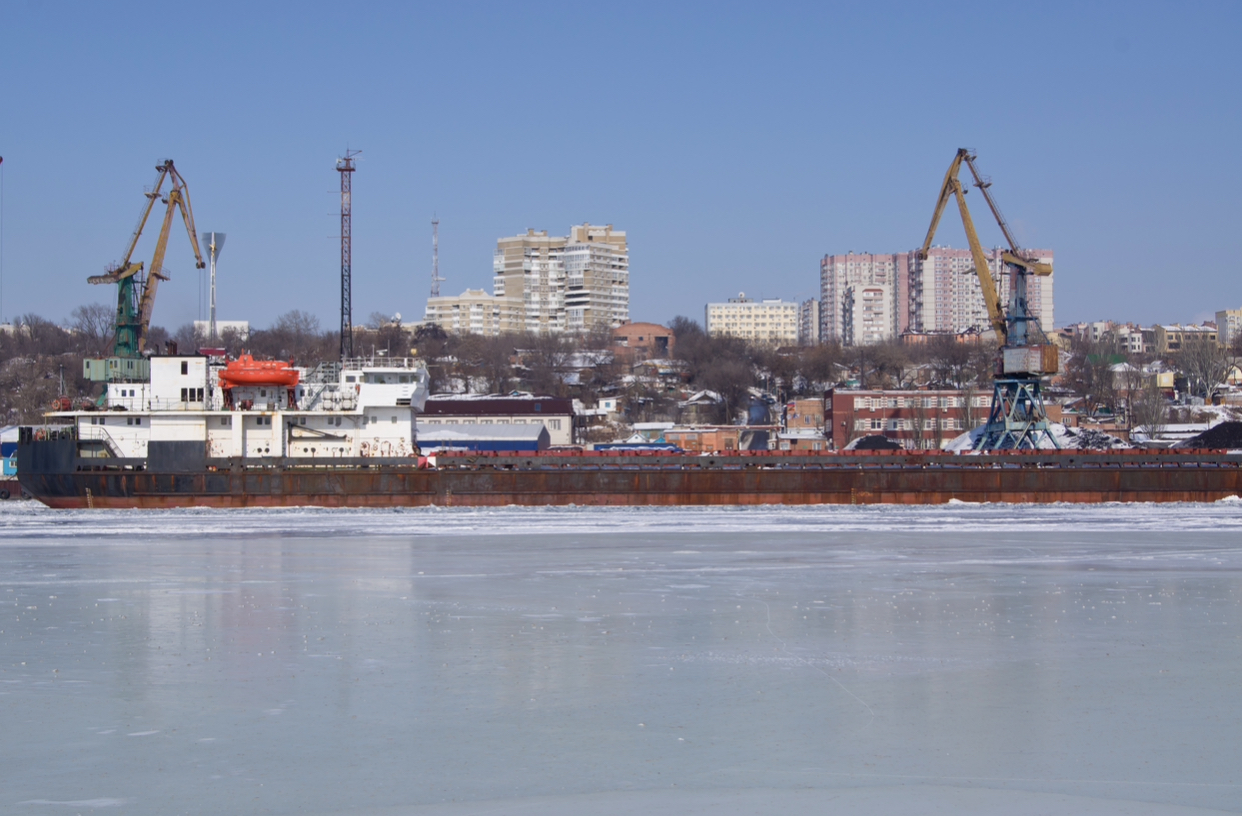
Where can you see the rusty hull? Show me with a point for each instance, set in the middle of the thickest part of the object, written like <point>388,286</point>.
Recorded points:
<point>873,477</point>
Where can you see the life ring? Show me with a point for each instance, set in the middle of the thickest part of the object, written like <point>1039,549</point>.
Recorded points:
<point>363,448</point>
<point>40,435</point>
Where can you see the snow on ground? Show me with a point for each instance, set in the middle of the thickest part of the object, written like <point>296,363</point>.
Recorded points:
<point>1067,438</point>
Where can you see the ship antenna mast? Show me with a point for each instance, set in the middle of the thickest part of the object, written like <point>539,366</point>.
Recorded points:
<point>345,166</point>
<point>435,257</point>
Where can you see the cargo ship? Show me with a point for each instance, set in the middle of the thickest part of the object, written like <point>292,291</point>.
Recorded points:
<point>204,432</point>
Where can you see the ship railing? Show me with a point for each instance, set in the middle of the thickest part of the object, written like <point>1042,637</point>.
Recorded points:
<point>99,433</point>
<point>323,374</point>
<point>381,361</point>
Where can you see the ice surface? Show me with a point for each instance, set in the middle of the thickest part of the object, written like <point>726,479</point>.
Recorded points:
<point>957,659</point>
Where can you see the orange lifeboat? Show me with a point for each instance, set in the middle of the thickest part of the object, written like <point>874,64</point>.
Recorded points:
<point>246,370</point>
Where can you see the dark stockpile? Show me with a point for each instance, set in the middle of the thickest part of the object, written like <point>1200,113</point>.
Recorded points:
<point>1225,436</point>
<point>876,442</point>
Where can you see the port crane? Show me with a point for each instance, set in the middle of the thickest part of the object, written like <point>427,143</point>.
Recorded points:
<point>1017,419</point>
<point>136,287</point>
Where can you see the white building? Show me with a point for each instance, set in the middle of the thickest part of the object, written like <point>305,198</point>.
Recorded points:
<point>838,273</point>
<point>476,312</point>
<point>866,315</point>
<point>771,321</point>
<point>1228,326</point>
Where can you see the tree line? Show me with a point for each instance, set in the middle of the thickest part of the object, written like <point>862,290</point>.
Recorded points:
<point>41,360</point>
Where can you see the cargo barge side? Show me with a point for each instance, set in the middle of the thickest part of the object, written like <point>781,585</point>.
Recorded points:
<point>52,473</point>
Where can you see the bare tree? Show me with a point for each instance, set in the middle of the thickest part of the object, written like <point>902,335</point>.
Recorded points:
<point>1204,364</point>
<point>94,325</point>
<point>1149,409</point>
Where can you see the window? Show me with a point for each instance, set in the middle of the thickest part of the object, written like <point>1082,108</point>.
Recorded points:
<point>185,367</point>
<point>394,420</point>
<point>226,422</point>
<point>555,424</point>
<point>185,395</point>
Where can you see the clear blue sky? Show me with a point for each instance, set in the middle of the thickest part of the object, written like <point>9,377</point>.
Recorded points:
<point>737,143</point>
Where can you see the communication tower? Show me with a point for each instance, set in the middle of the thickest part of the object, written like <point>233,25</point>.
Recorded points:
<point>213,242</point>
<point>345,166</point>
<point>435,257</point>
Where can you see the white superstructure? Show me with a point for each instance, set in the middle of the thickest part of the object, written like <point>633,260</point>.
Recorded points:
<point>363,408</point>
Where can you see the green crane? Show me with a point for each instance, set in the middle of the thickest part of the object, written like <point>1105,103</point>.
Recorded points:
<point>136,287</point>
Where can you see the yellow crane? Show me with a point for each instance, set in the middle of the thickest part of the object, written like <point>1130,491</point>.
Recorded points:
<point>136,290</point>
<point>1018,419</point>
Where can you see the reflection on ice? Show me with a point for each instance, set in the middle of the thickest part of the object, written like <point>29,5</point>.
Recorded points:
<point>970,658</point>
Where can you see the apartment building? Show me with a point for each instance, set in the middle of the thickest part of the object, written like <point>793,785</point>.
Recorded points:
<point>770,321</point>
<point>839,274</point>
<point>474,311</point>
<point>939,293</point>
<point>944,294</point>
<point>1173,338</point>
<point>926,420</point>
<point>573,283</point>
<point>808,323</point>
<point>1228,326</point>
<point>866,314</point>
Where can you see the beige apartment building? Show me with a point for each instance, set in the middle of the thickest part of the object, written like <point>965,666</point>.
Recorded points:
<point>476,312</point>
<point>574,283</point>
<point>772,321</point>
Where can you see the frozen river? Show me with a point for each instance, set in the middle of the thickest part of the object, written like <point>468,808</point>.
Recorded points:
<point>959,659</point>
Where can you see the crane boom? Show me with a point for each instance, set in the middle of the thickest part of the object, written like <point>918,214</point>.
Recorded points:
<point>952,188</point>
<point>135,291</point>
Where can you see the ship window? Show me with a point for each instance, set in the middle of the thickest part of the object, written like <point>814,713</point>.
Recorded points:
<point>185,395</point>
<point>226,422</point>
<point>405,378</point>
<point>350,378</point>
<point>101,420</point>
<point>185,367</point>
<point>262,392</point>
<point>129,420</point>
<point>394,420</point>
<point>137,420</point>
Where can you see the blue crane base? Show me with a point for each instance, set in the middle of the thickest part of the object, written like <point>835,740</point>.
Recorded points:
<point>1018,420</point>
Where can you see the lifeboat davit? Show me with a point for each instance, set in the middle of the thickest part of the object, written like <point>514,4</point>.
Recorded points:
<point>246,370</point>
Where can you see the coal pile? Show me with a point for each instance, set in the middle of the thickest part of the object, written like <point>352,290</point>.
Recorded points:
<point>1091,439</point>
<point>875,442</point>
<point>1225,436</point>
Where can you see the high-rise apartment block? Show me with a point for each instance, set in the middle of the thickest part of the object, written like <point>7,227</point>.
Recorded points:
<point>808,322</point>
<point>867,314</point>
<point>839,275</point>
<point>574,283</point>
<point>939,293</point>
<point>774,321</point>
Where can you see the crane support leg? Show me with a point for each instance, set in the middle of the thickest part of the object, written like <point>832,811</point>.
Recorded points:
<point>1018,420</point>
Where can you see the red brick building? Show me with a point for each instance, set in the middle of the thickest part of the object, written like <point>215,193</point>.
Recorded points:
<point>914,419</point>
